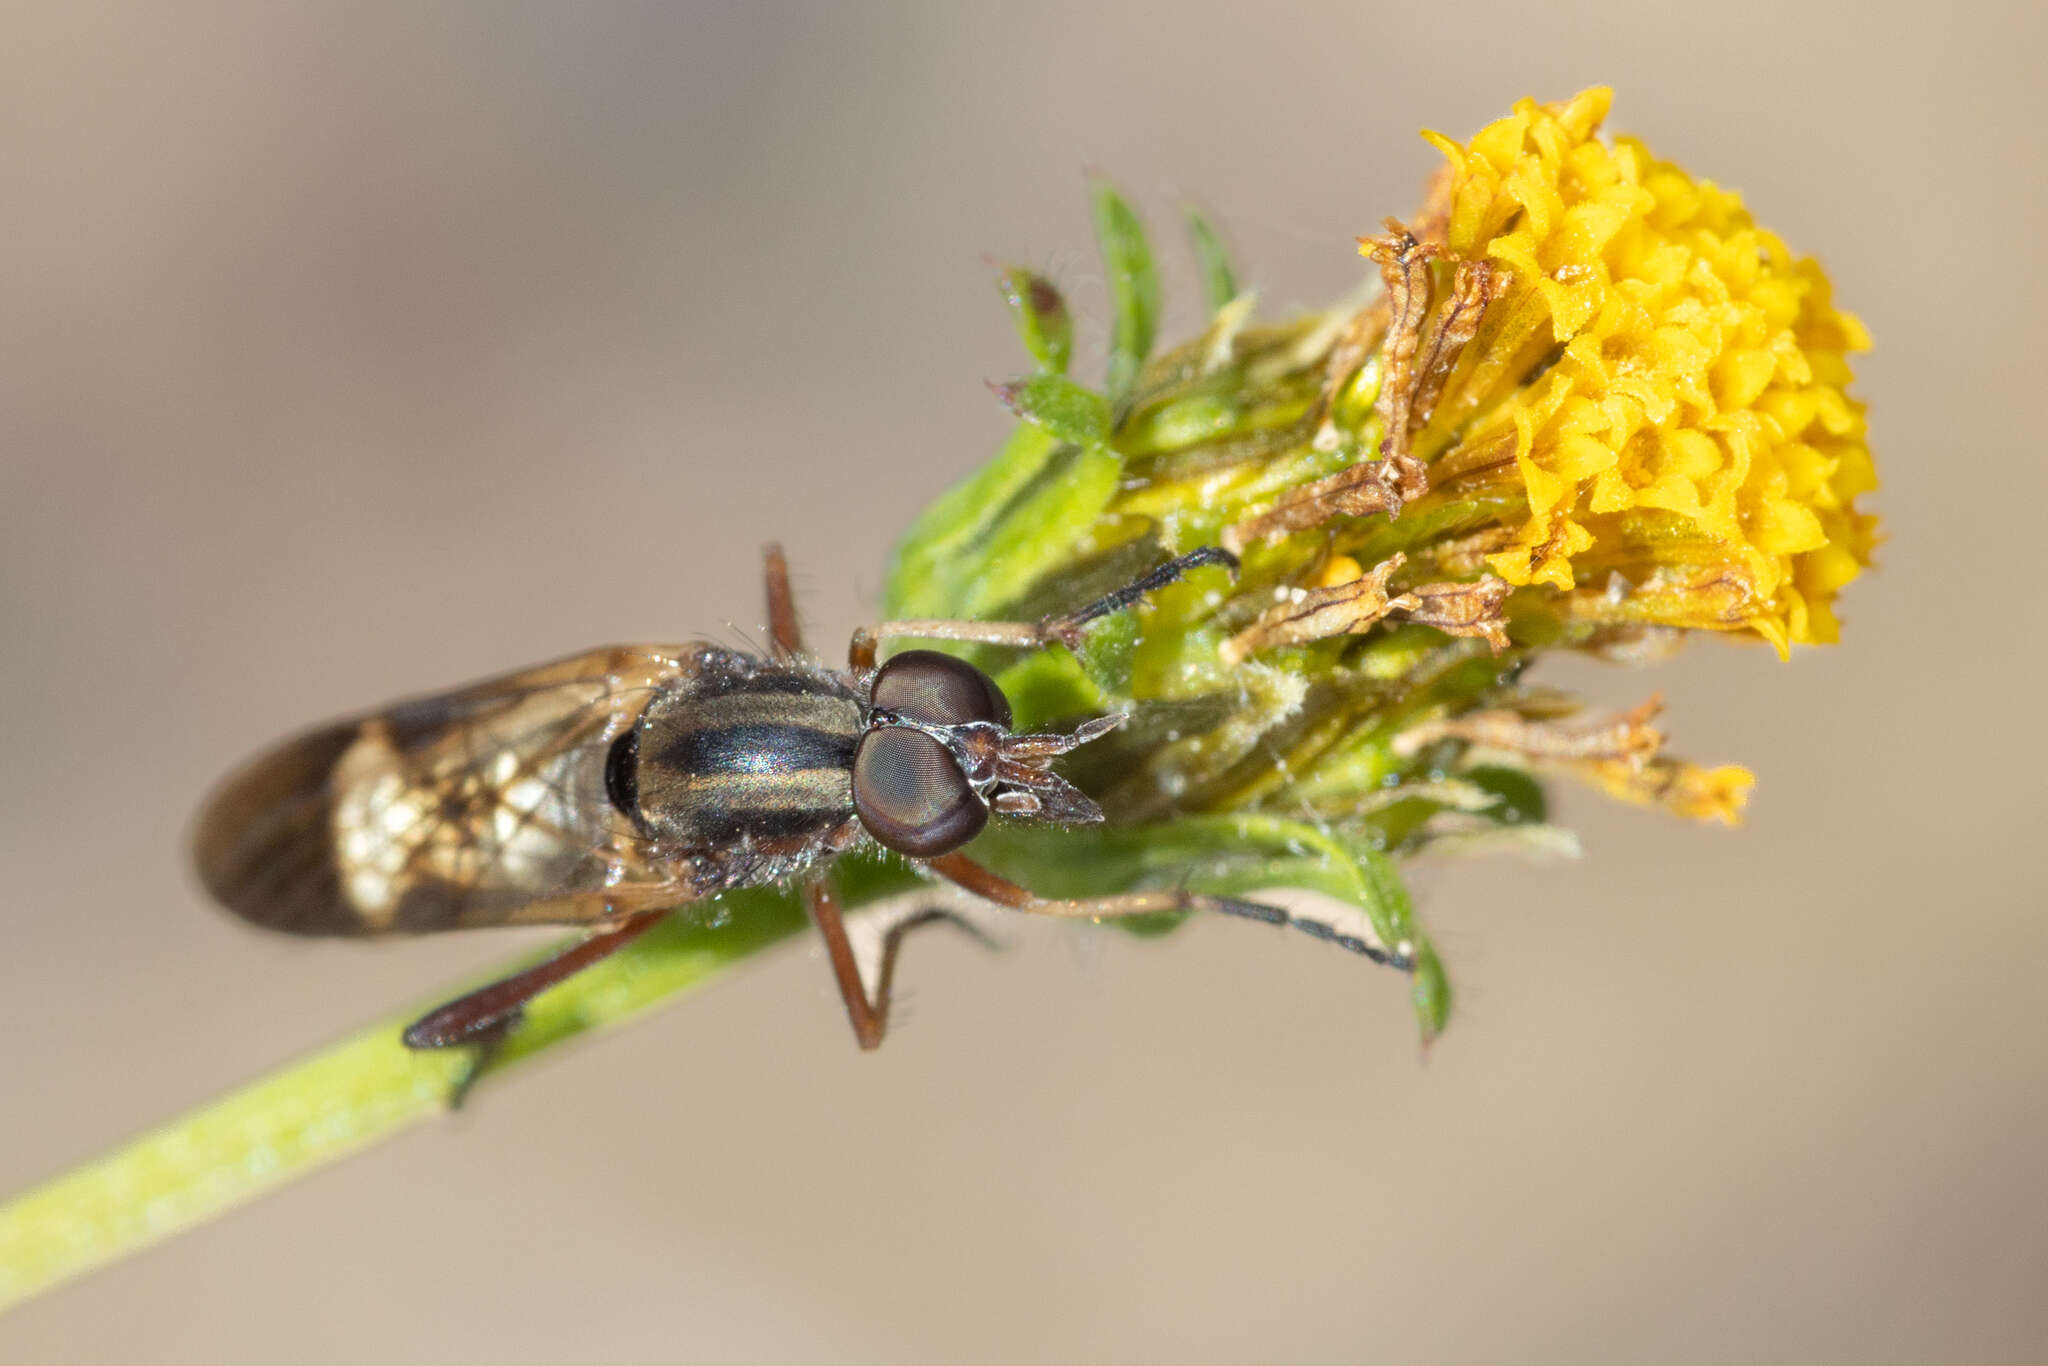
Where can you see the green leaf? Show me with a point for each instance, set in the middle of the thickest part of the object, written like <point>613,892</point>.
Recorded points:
<point>925,577</point>
<point>1213,260</point>
<point>1430,992</point>
<point>1041,318</point>
<point>1133,290</point>
<point>1107,651</point>
<point>1037,530</point>
<point>1004,528</point>
<point>1059,405</point>
<point>1048,686</point>
<point>1521,797</point>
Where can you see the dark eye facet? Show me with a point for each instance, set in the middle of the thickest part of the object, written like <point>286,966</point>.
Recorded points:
<point>911,795</point>
<point>939,690</point>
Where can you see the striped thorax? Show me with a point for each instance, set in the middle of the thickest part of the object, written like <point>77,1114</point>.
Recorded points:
<point>744,754</point>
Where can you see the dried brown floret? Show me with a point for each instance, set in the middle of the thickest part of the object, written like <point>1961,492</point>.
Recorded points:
<point>1627,739</point>
<point>1358,491</point>
<point>1318,613</point>
<point>1462,609</point>
<point>1409,387</point>
<point>1404,266</point>
<point>1354,606</point>
<point>1476,284</point>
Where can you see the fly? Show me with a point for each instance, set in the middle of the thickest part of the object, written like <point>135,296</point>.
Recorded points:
<point>612,788</point>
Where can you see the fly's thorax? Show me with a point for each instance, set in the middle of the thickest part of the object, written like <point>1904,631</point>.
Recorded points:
<point>756,756</point>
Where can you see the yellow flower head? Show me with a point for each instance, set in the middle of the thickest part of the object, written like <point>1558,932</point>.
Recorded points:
<point>1667,380</point>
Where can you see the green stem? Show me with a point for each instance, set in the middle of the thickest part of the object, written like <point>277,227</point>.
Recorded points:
<point>332,1104</point>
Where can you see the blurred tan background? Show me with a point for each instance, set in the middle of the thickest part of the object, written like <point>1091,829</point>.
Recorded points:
<point>345,355</point>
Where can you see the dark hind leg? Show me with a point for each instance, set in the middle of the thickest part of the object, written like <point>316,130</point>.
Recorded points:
<point>486,1017</point>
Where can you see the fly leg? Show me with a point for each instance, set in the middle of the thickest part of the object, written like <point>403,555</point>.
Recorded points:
<point>783,630</point>
<point>965,872</point>
<point>486,1017</point>
<point>484,1047</point>
<point>869,1014</point>
<point>1064,627</point>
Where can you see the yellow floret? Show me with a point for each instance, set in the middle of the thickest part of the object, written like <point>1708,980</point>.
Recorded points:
<point>1692,425</point>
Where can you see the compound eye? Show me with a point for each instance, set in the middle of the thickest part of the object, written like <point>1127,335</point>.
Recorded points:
<point>911,795</point>
<point>939,690</point>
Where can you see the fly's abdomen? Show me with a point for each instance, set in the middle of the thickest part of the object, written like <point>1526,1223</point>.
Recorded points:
<point>760,760</point>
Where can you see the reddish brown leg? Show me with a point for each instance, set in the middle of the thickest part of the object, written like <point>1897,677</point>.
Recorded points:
<point>870,1015</point>
<point>965,872</point>
<point>783,629</point>
<point>475,1018</point>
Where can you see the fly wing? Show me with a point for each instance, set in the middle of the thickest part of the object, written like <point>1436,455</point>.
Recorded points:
<point>482,806</point>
